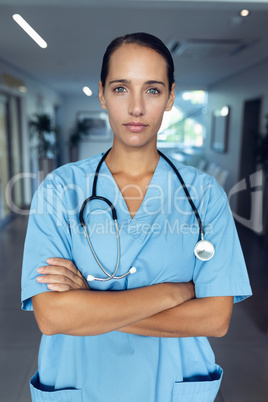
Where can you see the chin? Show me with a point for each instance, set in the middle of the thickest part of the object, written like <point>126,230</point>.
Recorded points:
<point>138,145</point>
<point>138,142</point>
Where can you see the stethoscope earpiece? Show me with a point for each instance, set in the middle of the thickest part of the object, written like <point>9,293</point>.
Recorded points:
<point>90,278</point>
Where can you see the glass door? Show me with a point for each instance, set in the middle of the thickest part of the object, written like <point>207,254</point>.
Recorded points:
<point>15,150</point>
<point>4,158</point>
<point>10,156</point>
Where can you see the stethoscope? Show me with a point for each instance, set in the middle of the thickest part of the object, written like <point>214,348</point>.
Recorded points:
<point>203,250</point>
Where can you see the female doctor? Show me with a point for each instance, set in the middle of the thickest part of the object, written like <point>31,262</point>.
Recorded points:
<point>140,337</point>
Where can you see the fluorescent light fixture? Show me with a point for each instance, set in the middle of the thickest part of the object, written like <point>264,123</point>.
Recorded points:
<point>22,89</point>
<point>87,91</point>
<point>224,111</point>
<point>29,30</point>
<point>244,13</point>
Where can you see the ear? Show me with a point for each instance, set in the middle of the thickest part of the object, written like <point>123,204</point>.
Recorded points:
<point>171,98</point>
<point>101,96</point>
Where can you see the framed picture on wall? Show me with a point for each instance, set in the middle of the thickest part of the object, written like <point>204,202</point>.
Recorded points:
<point>97,126</point>
<point>220,129</point>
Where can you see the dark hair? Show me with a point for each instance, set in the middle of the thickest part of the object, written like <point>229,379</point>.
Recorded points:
<point>140,39</point>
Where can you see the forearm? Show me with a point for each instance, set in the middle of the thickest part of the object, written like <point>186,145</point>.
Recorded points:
<point>197,317</point>
<point>87,312</point>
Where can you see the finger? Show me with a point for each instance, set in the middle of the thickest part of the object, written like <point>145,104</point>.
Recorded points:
<point>62,275</point>
<point>70,266</point>
<point>62,262</point>
<point>58,287</point>
<point>60,279</point>
<point>77,278</point>
<point>57,270</point>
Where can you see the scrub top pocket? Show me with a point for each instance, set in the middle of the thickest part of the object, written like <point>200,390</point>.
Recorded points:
<point>63,395</point>
<point>197,391</point>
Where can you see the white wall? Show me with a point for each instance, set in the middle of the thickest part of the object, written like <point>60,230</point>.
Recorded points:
<point>234,91</point>
<point>72,105</point>
<point>39,98</point>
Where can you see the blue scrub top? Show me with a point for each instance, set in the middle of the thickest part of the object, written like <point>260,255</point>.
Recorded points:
<point>159,242</point>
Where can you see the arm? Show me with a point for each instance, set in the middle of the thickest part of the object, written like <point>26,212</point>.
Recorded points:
<point>198,317</point>
<point>85,312</point>
<point>208,316</point>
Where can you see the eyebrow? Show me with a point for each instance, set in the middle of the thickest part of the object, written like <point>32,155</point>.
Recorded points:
<point>150,82</point>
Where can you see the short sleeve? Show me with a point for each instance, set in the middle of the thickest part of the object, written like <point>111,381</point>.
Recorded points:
<point>48,235</point>
<point>226,273</point>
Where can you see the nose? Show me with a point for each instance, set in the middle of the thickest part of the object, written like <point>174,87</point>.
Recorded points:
<point>136,105</point>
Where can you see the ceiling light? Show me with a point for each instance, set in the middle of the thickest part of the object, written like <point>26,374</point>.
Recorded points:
<point>87,91</point>
<point>29,30</point>
<point>22,89</point>
<point>244,13</point>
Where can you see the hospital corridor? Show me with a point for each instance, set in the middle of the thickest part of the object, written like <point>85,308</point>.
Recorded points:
<point>243,352</point>
<point>157,111</point>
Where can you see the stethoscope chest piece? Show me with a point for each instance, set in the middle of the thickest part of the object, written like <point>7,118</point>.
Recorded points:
<point>204,250</point>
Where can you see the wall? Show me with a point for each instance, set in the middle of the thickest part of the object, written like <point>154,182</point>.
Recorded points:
<point>71,106</point>
<point>39,98</point>
<point>234,91</point>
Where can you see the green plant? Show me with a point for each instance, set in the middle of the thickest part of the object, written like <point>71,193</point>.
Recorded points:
<point>43,129</point>
<point>80,129</point>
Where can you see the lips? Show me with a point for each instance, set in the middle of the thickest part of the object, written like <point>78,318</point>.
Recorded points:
<point>135,127</point>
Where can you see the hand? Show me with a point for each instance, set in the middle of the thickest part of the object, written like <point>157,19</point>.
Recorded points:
<point>62,275</point>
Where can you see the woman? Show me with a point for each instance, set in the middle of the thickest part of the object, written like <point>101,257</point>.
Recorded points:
<point>141,338</point>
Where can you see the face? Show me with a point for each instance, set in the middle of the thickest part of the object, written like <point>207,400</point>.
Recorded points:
<point>136,94</point>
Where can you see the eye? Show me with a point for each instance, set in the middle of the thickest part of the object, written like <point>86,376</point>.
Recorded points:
<point>153,91</point>
<point>119,89</point>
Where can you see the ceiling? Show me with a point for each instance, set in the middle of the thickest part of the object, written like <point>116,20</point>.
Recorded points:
<point>213,41</point>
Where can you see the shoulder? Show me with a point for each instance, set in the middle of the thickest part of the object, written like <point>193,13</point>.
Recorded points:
<point>80,167</point>
<point>73,173</point>
<point>199,183</point>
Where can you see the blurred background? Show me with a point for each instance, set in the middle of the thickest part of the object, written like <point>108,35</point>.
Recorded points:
<point>50,115</point>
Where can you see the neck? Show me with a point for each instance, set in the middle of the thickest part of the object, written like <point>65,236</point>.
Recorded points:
<point>132,161</point>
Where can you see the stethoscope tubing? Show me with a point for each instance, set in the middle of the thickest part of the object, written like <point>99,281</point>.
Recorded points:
<point>96,197</point>
<point>201,253</point>
<point>201,230</point>
<point>113,276</point>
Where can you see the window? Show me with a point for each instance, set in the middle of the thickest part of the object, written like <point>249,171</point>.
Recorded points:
<point>10,155</point>
<point>184,125</point>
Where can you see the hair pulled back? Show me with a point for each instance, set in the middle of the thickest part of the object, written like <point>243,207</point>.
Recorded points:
<point>140,39</point>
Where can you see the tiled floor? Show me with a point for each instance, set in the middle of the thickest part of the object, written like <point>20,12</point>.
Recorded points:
<point>243,352</point>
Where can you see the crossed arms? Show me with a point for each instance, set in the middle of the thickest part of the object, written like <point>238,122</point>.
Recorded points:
<point>161,310</point>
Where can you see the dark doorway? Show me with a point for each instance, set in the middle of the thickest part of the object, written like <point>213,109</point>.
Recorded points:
<point>251,124</point>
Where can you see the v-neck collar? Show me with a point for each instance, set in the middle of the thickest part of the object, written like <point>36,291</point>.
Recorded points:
<point>139,225</point>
